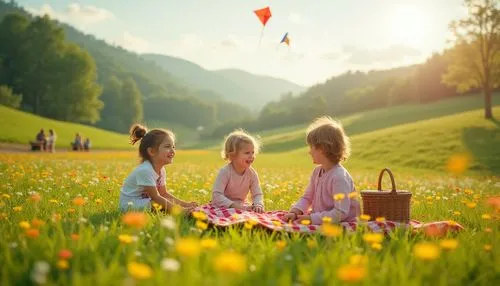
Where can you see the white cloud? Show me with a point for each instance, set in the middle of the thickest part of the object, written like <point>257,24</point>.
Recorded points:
<point>132,43</point>
<point>75,14</point>
<point>388,55</point>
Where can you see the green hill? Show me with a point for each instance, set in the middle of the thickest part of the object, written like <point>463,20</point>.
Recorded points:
<point>425,145</point>
<point>233,85</point>
<point>21,127</point>
<point>290,138</point>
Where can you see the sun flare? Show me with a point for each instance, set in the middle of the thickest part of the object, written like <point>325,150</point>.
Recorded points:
<point>409,24</point>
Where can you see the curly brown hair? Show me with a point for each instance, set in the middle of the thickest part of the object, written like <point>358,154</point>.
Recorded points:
<point>328,135</point>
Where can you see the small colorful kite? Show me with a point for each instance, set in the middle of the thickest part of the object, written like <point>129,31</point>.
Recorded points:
<point>286,39</point>
<point>263,14</point>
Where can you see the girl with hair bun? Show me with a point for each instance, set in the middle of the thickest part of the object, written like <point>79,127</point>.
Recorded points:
<point>146,184</point>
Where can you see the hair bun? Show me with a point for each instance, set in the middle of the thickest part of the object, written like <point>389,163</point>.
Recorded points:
<point>137,132</point>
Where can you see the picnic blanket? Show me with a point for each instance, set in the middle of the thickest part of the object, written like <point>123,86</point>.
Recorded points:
<point>272,220</point>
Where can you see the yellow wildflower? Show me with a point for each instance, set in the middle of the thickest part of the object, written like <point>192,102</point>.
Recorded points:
<point>458,163</point>
<point>373,237</point>
<point>199,215</point>
<point>280,244</point>
<point>189,247</point>
<point>448,244</point>
<point>358,259</point>
<point>139,271</point>
<point>125,238</point>
<point>365,217</point>
<point>208,243</point>
<point>426,251</point>
<point>353,195</point>
<point>201,225</point>
<point>312,243</point>
<point>24,224</point>
<point>331,230</point>
<point>326,219</point>
<point>305,222</point>
<point>486,216</point>
<point>351,273</point>
<point>230,262</point>
<point>339,197</point>
<point>62,264</point>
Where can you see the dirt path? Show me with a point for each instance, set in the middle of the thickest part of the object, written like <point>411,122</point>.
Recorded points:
<point>25,148</point>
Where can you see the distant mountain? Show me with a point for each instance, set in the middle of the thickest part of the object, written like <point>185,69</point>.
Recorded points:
<point>250,90</point>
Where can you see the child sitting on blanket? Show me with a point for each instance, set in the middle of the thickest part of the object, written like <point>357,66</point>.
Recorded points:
<point>330,183</point>
<point>146,183</point>
<point>237,178</point>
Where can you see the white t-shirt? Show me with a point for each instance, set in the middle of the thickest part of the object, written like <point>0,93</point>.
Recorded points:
<point>133,186</point>
<point>51,139</point>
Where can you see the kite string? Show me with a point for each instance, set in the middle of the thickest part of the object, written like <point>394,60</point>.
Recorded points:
<point>261,34</point>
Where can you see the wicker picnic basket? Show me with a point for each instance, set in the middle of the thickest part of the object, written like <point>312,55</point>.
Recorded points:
<point>393,205</point>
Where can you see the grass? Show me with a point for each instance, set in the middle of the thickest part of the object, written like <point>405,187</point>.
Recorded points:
<point>428,144</point>
<point>91,232</point>
<point>290,138</point>
<point>21,127</point>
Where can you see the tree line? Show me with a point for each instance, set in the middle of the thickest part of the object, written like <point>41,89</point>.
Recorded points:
<point>53,70</point>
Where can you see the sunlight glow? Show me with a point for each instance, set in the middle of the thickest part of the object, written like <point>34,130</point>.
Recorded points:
<point>410,24</point>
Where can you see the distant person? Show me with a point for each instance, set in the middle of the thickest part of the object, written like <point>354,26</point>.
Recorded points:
<point>51,141</point>
<point>40,139</point>
<point>87,144</point>
<point>328,146</point>
<point>146,184</point>
<point>237,178</point>
<point>77,143</point>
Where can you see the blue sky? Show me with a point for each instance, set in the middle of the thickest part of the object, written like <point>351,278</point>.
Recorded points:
<point>328,37</point>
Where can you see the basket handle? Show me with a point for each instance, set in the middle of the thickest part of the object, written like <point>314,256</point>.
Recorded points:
<point>393,191</point>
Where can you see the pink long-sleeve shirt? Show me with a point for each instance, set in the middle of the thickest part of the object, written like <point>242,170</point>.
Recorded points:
<point>319,196</point>
<point>230,187</point>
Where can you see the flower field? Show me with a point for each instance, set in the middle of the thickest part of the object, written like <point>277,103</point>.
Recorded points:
<point>59,224</point>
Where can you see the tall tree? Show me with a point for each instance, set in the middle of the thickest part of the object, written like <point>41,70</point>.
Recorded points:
<point>131,102</point>
<point>12,29</point>
<point>73,92</point>
<point>43,45</point>
<point>476,55</point>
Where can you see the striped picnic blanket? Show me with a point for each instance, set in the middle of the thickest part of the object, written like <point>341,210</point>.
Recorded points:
<point>272,220</point>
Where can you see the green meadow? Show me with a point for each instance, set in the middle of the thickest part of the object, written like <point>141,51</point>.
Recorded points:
<point>60,224</point>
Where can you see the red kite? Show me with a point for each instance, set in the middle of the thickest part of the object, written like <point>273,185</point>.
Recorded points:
<point>264,14</point>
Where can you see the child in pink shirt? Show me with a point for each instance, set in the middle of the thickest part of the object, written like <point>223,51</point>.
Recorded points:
<point>237,178</point>
<point>330,185</point>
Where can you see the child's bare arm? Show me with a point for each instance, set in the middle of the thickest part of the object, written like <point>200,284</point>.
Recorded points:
<point>155,196</point>
<point>163,192</point>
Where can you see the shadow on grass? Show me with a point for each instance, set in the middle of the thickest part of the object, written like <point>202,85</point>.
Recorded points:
<point>495,121</point>
<point>483,144</point>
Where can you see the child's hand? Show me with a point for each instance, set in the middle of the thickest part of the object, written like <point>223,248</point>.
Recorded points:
<point>191,204</point>
<point>301,218</point>
<point>290,216</point>
<point>258,209</point>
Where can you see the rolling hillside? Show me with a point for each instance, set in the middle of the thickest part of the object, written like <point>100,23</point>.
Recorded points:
<point>289,138</point>
<point>20,127</point>
<point>233,85</point>
<point>424,145</point>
